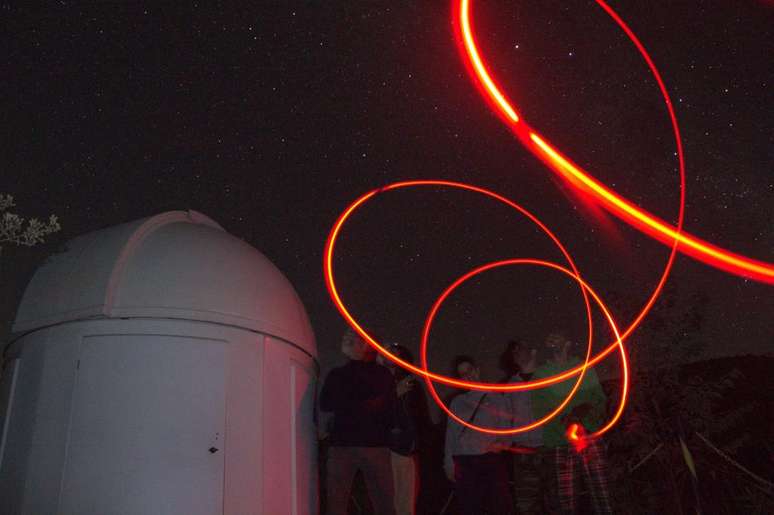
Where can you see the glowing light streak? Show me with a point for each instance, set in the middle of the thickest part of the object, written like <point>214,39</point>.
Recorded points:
<point>491,88</point>
<point>568,398</point>
<point>576,435</point>
<point>617,205</point>
<point>430,376</point>
<point>330,283</point>
<point>584,182</point>
<point>525,134</point>
<point>572,432</point>
<point>653,226</point>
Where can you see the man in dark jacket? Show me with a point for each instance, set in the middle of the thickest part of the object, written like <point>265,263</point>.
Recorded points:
<point>361,396</point>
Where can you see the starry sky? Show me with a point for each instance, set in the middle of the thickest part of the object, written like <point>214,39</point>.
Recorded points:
<point>271,117</point>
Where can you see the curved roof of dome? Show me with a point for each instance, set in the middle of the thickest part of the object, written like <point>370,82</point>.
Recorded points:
<point>173,265</point>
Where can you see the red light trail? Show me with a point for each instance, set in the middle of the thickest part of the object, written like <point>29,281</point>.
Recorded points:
<point>585,183</point>
<point>587,289</point>
<point>582,181</point>
<point>423,371</point>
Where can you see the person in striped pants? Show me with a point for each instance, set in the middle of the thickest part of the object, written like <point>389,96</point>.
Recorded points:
<point>574,456</point>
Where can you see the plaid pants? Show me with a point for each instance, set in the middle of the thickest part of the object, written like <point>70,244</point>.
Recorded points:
<point>593,467</point>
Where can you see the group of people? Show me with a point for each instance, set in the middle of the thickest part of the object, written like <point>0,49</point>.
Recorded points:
<point>379,411</point>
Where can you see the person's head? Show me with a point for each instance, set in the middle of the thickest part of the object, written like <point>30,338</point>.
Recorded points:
<point>465,368</point>
<point>515,353</point>
<point>558,347</point>
<point>354,347</point>
<point>399,351</point>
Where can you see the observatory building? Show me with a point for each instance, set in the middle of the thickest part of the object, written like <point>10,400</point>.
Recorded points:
<point>159,366</point>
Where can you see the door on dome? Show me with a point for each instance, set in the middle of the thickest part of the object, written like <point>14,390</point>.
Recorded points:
<point>147,427</point>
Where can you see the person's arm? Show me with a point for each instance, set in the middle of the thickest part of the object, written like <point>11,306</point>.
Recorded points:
<point>521,410</point>
<point>453,430</point>
<point>498,408</point>
<point>418,407</point>
<point>597,394</point>
<point>527,364</point>
<point>590,400</point>
<point>385,399</point>
<point>596,398</point>
<point>405,386</point>
<point>502,410</point>
<point>541,398</point>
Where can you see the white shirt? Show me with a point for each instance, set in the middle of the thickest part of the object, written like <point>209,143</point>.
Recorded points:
<point>521,414</point>
<point>494,412</point>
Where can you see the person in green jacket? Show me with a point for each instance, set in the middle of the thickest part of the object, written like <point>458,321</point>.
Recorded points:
<point>584,414</point>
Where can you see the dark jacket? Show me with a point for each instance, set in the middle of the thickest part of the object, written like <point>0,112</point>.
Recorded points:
<point>361,395</point>
<point>411,421</point>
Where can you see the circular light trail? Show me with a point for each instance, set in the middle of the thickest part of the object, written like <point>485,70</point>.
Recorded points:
<point>449,381</point>
<point>533,142</point>
<point>582,181</point>
<point>537,423</point>
<point>588,186</point>
<point>330,282</point>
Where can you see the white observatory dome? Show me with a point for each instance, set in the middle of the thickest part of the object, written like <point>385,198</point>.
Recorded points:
<point>174,265</point>
<point>159,366</point>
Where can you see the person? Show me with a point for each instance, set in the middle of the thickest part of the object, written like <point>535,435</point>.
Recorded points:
<point>473,460</point>
<point>410,422</point>
<point>518,363</point>
<point>361,397</point>
<point>574,454</point>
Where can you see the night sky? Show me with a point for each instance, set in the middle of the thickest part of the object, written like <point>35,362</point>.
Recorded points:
<point>273,116</point>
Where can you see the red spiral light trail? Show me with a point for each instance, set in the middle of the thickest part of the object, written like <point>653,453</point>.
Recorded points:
<point>583,182</point>
<point>423,371</point>
<point>527,427</point>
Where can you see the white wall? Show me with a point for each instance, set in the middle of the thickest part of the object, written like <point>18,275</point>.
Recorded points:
<point>119,416</point>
